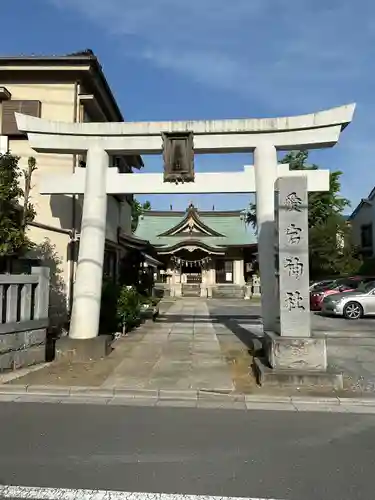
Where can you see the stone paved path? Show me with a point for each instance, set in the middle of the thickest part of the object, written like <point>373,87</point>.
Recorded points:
<point>181,351</point>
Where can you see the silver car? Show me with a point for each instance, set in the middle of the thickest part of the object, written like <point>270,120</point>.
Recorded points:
<point>351,305</point>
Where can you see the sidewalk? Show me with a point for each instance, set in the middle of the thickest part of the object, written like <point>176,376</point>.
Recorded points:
<point>182,399</point>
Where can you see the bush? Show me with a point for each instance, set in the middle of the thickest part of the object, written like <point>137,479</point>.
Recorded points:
<point>128,307</point>
<point>368,267</point>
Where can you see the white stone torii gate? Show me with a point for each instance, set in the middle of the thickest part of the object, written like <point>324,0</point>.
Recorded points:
<point>99,140</point>
<point>212,182</point>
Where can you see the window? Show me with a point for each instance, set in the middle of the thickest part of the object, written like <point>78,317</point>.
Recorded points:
<point>110,264</point>
<point>366,236</point>
<point>224,271</point>
<point>86,118</point>
<point>9,124</point>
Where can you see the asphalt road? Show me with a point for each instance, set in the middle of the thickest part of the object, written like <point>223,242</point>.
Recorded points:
<point>266,454</point>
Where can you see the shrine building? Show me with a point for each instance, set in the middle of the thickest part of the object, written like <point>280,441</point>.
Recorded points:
<point>204,253</point>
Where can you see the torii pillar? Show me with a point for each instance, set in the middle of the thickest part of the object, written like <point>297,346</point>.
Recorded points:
<point>264,137</point>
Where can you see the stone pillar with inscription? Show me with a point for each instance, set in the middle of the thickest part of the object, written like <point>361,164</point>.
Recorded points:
<point>293,355</point>
<point>294,257</point>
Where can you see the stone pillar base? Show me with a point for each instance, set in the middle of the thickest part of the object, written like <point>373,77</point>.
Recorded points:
<point>293,379</point>
<point>289,353</point>
<point>295,362</point>
<point>83,350</point>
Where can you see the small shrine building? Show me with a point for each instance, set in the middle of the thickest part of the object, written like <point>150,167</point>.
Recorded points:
<point>204,253</point>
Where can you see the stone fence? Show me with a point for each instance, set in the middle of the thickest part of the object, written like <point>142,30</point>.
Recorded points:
<point>24,300</point>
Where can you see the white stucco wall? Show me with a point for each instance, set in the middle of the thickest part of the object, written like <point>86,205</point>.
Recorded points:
<point>57,103</point>
<point>118,215</point>
<point>364,216</point>
<point>125,217</point>
<point>4,144</point>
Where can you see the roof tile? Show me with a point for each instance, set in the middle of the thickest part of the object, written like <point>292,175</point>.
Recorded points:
<point>230,224</point>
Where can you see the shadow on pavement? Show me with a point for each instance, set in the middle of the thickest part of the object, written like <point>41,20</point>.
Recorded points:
<point>247,337</point>
<point>231,322</point>
<point>212,318</point>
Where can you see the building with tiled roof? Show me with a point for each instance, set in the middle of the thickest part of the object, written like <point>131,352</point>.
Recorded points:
<point>67,88</point>
<point>206,253</point>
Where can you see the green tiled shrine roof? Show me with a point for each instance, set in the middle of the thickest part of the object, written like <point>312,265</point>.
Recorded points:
<point>230,224</point>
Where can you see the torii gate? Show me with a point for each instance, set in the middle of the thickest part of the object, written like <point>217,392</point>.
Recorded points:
<point>264,137</point>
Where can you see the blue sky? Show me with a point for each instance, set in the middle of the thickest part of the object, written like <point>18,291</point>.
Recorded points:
<point>215,59</point>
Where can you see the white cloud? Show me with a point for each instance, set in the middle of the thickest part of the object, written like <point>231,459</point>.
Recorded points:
<point>276,51</point>
<point>290,56</point>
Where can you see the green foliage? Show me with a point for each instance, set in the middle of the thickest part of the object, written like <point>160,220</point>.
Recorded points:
<point>46,253</point>
<point>368,267</point>
<point>251,216</point>
<point>322,205</point>
<point>331,249</point>
<point>14,217</point>
<point>137,210</point>
<point>128,306</point>
<point>121,307</point>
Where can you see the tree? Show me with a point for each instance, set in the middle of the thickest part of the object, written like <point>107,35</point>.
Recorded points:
<point>137,210</point>
<point>322,205</point>
<point>46,252</point>
<point>331,249</point>
<point>28,213</point>
<point>14,217</point>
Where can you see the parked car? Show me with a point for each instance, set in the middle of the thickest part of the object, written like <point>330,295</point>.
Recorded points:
<point>341,285</point>
<point>352,304</point>
<point>315,285</point>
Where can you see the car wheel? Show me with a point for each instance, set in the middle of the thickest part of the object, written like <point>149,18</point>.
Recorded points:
<point>353,310</point>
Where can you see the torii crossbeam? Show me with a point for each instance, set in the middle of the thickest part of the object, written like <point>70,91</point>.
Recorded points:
<point>205,182</point>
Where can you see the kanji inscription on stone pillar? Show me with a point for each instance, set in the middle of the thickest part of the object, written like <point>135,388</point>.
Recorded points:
<point>293,257</point>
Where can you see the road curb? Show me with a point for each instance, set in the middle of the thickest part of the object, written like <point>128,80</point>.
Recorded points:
<point>189,398</point>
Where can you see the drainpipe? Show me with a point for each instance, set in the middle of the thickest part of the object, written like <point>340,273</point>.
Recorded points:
<point>54,229</point>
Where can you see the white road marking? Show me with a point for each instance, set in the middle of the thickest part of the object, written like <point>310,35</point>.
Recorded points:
<point>30,493</point>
